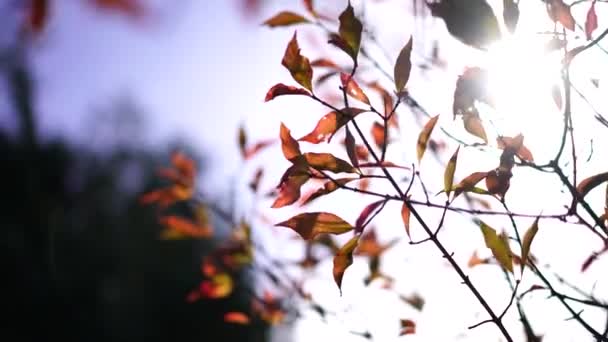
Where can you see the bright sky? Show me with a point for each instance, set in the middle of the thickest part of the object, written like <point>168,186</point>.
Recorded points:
<point>199,75</point>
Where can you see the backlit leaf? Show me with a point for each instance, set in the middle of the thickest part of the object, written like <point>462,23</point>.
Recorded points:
<point>309,225</point>
<point>352,88</point>
<point>285,18</point>
<point>351,148</point>
<point>407,327</point>
<point>350,30</point>
<point>290,147</point>
<point>403,66</point>
<point>365,214</point>
<point>473,125</point>
<point>186,226</point>
<point>423,137</point>
<point>329,187</point>
<point>387,99</point>
<point>256,148</point>
<point>498,181</point>
<point>378,135</point>
<point>328,162</point>
<point>448,175</point>
<point>343,259</point>
<point>329,124</point>
<point>500,249</point>
<point>282,89</point>
<point>469,182</point>
<point>560,12</point>
<point>405,217</point>
<point>298,65</point>
<point>591,21</point>
<point>515,146</point>
<point>289,190</point>
<point>510,14</point>
<point>589,183</point>
<point>236,317</point>
<point>527,242</point>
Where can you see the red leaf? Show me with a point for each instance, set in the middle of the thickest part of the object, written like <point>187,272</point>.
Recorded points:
<point>407,327</point>
<point>352,88</point>
<point>186,227</point>
<point>38,15</point>
<point>329,124</point>
<point>285,18</point>
<point>236,317</point>
<point>282,89</point>
<point>591,21</point>
<point>289,189</point>
<point>469,182</point>
<point>132,8</point>
<point>498,181</point>
<point>367,211</point>
<point>298,65</point>
<point>515,146</point>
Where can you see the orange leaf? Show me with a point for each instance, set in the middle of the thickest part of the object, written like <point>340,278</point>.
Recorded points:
<point>219,286</point>
<point>423,137</point>
<point>407,327</point>
<point>475,260</point>
<point>309,225</point>
<point>186,227</point>
<point>298,65</point>
<point>282,89</point>
<point>352,88</point>
<point>589,183</point>
<point>405,216</point>
<point>378,135</point>
<point>591,21</point>
<point>285,18</point>
<point>290,147</point>
<point>329,187</point>
<point>236,317</point>
<point>350,31</point>
<point>403,66</point>
<point>343,259</point>
<point>328,162</point>
<point>329,124</point>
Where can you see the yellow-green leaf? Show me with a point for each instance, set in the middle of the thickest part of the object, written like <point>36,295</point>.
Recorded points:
<point>423,138</point>
<point>527,242</point>
<point>309,225</point>
<point>343,259</point>
<point>448,175</point>
<point>403,66</point>
<point>589,183</point>
<point>290,147</point>
<point>499,246</point>
<point>298,65</point>
<point>285,18</point>
<point>350,30</point>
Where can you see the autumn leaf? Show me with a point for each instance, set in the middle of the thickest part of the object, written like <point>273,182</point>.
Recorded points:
<point>329,187</point>
<point>385,164</point>
<point>285,18</point>
<point>403,66</point>
<point>309,225</point>
<point>351,148</point>
<point>325,63</point>
<point>527,242</point>
<point>471,86</point>
<point>219,286</point>
<point>405,217</point>
<point>589,183</point>
<point>282,89</point>
<point>448,175</point>
<point>469,182</point>
<point>329,124</point>
<point>352,88</point>
<point>423,137</point>
<point>515,146</point>
<point>415,300</point>
<point>498,181</point>
<point>365,214</point>
<point>186,227</point>
<point>131,8</point>
<point>343,259</point>
<point>256,148</point>
<point>510,14</point>
<point>386,99</point>
<point>593,257</point>
<point>560,12</point>
<point>369,245</point>
<point>236,317</point>
<point>298,65</point>
<point>378,135</point>
<point>289,190</point>
<point>591,21</point>
<point>500,249</point>
<point>350,31</point>
<point>407,327</point>
<point>328,162</point>
<point>475,260</point>
<point>38,13</point>
<point>290,147</point>
<point>473,125</point>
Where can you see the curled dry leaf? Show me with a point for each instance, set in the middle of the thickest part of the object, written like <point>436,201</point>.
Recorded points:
<point>329,124</point>
<point>515,146</point>
<point>343,259</point>
<point>423,137</point>
<point>403,66</point>
<point>282,89</point>
<point>309,225</point>
<point>285,18</point>
<point>298,65</point>
<point>352,88</point>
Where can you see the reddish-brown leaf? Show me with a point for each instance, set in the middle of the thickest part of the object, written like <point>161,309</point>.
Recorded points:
<point>236,317</point>
<point>469,182</point>
<point>589,183</point>
<point>365,214</point>
<point>310,8</point>
<point>423,137</point>
<point>290,147</point>
<point>352,88</point>
<point>498,181</point>
<point>329,187</point>
<point>282,89</point>
<point>515,146</point>
<point>473,125</point>
<point>475,260</point>
<point>329,124</point>
<point>328,162</point>
<point>298,65</point>
<point>289,190</point>
<point>369,245</point>
<point>593,257</point>
<point>37,15</point>
<point>285,18</point>
<point>309,225</point>
<point>349,143</point>
<point>131,8</point>
<point>325,63</point>
<point>350,31</point>
<point>407,327</point>
<point>560,12</point>
<point>405,217</point>
<point>343,259</point>
<point>591,21</point>
<point>403,66</point>
<point>255,149</point>
<point>386,164</point>
<point>378,135</point>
